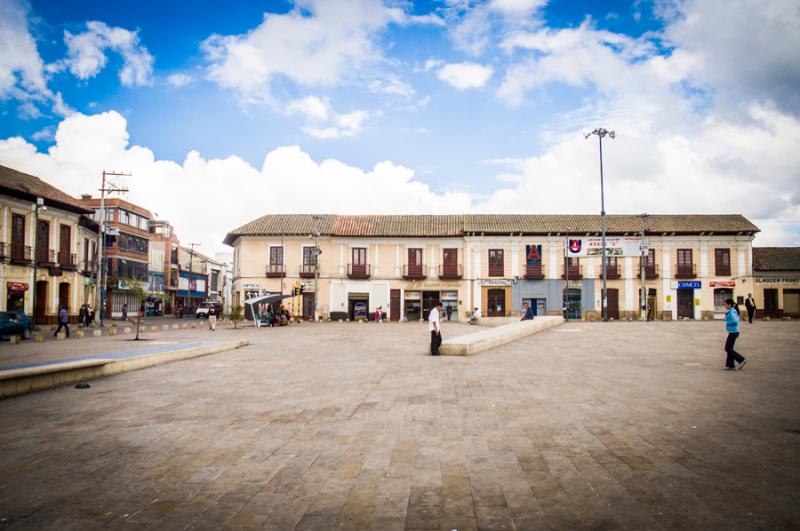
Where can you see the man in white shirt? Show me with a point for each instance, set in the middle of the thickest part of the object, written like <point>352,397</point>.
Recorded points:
<point>435,328</point>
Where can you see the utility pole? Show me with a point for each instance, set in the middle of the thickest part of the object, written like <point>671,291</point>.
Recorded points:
<point>110,187</point>
<point>566,275</point>
<point>192,245</point>
<point>600,132</point>
<point>37,209</point>
<point>644,249</point>
<point>316,220</point>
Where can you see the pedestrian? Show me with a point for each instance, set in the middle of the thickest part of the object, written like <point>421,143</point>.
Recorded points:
<point>732,326</point>
<point>141,310</point>
<point>527,312</point>
<point>125,312</point>
<point>63,321</point>
<point>82,315</point>
<point>750,304</point>
<point>377,315</point>
<point>212,318</point>
<point>435,328</point>
<point>449,312</point>
<point>89,316</point>
<point>476,314</point>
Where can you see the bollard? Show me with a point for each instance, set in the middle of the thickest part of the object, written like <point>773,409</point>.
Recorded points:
<point>126,330</point>
<point>97,333</point>
<point>112,331</point>
<point>165,327</point>
<point>175,327</point>
<point>14,340</point>
<point>154,328</point>
<point>184,325</point>
<point>78,334</point>
<point>61,336</point>
<point>39,338</point>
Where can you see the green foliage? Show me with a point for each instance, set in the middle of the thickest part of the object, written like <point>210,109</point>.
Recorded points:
<point>236,315</point>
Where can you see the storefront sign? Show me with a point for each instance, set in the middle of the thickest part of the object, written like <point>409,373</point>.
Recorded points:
<point>360,309</point>
<point>689,284</point>
<point>777,280</point>
<point>571,284</point>
<point>593,246</point>
<point>413,295</point>
<point>496,282</point>
<point>17,286</point>
<point>251,285</point>
<point>724,284</point>
<point>449,296</point>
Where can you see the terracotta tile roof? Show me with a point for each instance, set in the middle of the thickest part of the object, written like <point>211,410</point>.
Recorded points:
<point>458,225</point>
<point>25,186</point>
<point>776,258</point>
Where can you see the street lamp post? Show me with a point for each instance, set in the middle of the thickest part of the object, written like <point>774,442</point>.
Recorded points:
<point>600,132</point>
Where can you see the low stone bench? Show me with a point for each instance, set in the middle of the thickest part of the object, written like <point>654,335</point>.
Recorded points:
<point>24,380</point>
<point>487,338</point>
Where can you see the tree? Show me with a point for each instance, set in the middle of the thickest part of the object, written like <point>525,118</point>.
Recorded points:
<point>236,315</point>
<point>137,287</point>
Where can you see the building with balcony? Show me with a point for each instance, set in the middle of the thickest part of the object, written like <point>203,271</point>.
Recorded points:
<point>126,251</point>
<point>404,264</point>
<point>163,263</point>
<point>48,248</point>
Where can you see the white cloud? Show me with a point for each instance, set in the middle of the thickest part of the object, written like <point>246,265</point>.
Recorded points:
<point>517,7</point>
<point>392,86</point>
<point>323,122</point>
<point>465,75</point>
<point>85,145</point>
<point>179,79</point>
<point>61,108</point>
<point>22,73</point>
<point>320,44</point>
<point>86,53</point>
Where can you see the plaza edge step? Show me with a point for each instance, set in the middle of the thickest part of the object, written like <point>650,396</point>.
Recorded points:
<point>24,380</point>
<point>496,336</point>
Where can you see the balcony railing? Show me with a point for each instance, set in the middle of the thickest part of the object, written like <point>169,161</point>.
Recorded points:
<point>612,272</point>
<point>307,270</point>
<point>414,272</point>
<point>685,271</point>
<point>650,271</point>
<point>3,251</point>
<point>450,272</point>
<point>358,271</point>
<point>722,270</point>
<point>276,271</point>
<point>574,272</point>
<point>46,257</point>
<point>88,268</point>
<point>20,254</point>
<point>68,261</point>
<point>534,272</point>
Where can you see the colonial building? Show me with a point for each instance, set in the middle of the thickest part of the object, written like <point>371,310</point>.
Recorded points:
<point>126,250</point>
<point>777,281</point>
<point>48,248</point>
<point>405,264</point>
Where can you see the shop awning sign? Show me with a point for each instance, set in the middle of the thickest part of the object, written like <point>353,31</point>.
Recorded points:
<point>17,286</point>
<point>723,284</point>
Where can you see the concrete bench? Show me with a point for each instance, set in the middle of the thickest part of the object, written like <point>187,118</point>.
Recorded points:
<point>487,338</point>
<point>26,379</point>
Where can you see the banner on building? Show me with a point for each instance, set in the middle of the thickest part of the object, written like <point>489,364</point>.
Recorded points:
<point>17,286</point>
<point>593,246</point>
<point>533,255</point>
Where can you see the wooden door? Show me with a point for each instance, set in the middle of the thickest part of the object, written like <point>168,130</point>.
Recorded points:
<point>771,302</point>
<point>63,296</point>
<point>359,260</point>
<point>41,302</point>
<point>18,236</point>
<point>613,303</point>
<point>686,303</point>
<point>308,306</point>
<point>42,241</point>
<point>450,262</point>
<point>394,305</point>
<point>496,300</point>
<point>415,262</point>
<point>64,244</point>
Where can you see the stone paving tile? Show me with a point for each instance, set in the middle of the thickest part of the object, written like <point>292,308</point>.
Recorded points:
<point>347,426</point>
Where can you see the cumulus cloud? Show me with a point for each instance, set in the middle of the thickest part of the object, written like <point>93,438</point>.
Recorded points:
<point>465,75</point>
<point>323,122</point>
<point>392,86</point>
<point>22,73</point>
<point>86,53</point>
<point>85,145</point>
<point>319,43</point>
<point>179,79</point>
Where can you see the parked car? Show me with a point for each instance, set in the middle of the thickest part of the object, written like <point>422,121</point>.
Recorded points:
<point>15,324</point>
<point>202,310</point>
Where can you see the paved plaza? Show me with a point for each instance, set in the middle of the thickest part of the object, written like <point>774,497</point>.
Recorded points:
<point>352,426</point>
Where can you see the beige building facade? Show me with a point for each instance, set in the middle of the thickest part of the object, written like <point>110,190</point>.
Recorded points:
<point>777,282</point>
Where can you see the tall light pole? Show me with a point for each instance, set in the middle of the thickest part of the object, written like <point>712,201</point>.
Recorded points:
<point>37,209</point>
<point>644,250</point>
<point>106,187</point>
<point>192,245</point>
<point>316,220</point>
<point>600,132</point>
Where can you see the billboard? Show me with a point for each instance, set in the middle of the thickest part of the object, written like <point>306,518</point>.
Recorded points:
<point>533,255</point>
<point>593,246</point>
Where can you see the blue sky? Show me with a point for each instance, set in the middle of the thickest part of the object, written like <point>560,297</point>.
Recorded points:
<point>368,106</point>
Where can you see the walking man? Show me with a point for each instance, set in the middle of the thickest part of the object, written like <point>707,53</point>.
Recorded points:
<point>732,326</point>
<point>63,321</point>
<point>212,318</point>
<point>750,304</point>
<point>435,328</point>
<point>125,312</point>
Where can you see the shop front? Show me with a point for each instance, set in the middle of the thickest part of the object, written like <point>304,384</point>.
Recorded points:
<point>418,304</point>
<point>496,295</point>
<point>722,290</point>
<point>15,296</point>
<point>686,298</point>
<point>191,291</point>
<point>543,296</point>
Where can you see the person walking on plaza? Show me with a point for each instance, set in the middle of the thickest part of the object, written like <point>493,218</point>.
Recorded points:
<point>212,318</point>
<point>125,312</point>
<point>435,328</point>
<point>750,304</point>
<point>732,326</point>
<point>82,315</point>
<point>63,321</point>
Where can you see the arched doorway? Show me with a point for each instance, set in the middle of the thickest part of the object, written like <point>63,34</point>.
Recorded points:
<point>40,311</point>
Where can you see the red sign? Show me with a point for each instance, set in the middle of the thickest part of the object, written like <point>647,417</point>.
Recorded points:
<point>17,286</point>
<point>724,284</point>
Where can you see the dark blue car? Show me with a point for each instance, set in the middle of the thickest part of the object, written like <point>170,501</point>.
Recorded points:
<point>15,324</point>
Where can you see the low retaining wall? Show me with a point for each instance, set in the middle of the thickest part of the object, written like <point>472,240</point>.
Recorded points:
<point>494,337</point>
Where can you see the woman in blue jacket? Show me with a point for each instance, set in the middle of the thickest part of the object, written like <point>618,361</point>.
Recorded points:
<point>732,326</point>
